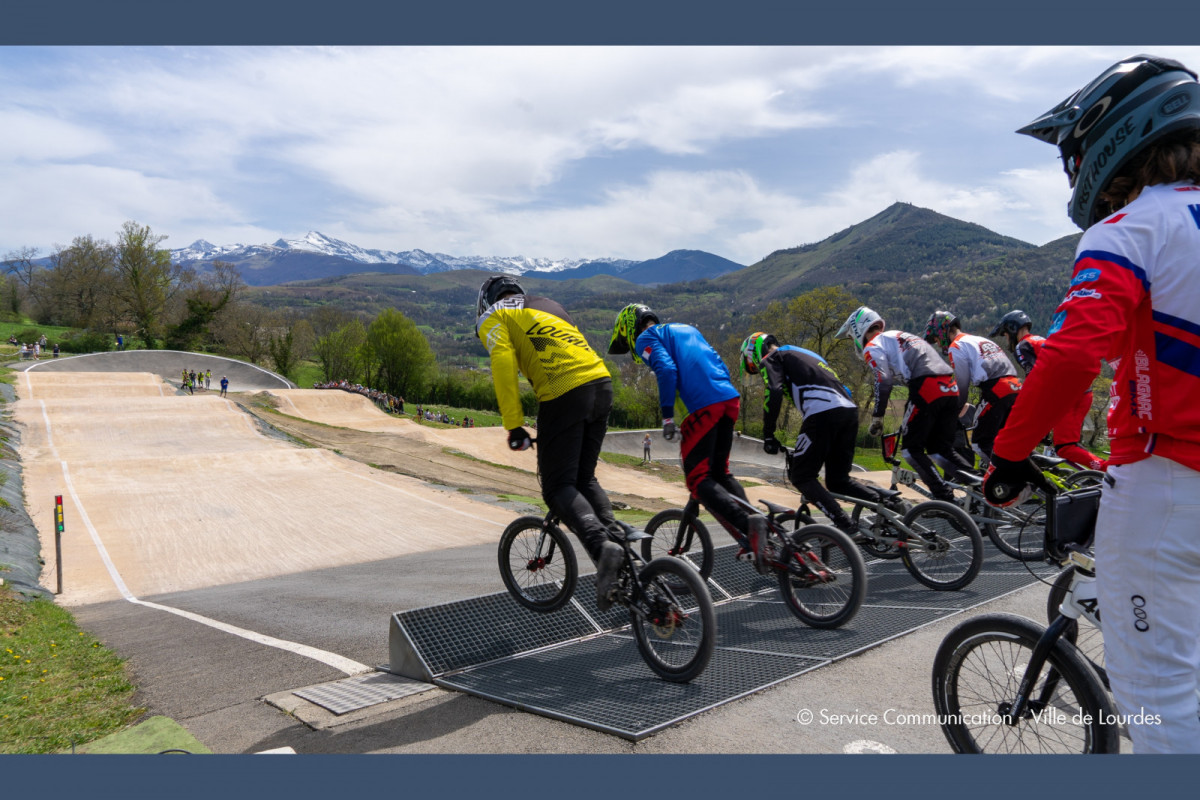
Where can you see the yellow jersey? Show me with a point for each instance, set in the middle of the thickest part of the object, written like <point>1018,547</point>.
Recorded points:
<point>535,336</point>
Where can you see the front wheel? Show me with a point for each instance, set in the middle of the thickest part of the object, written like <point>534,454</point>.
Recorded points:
<point>676,632</point>
<point>1084,477</point>
<point>677,534</point>
<point>977,671</point>
<point>945,550</point>
<point>1081,632</point>
<point>537,564</point>
<point>1017,531</point>
<point>825,580</point>
<point>871,523</point>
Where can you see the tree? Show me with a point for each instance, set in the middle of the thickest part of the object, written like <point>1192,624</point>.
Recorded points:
<point>147,280</point>
<point>204,301</point>
<point>401,353</point>
<point>339,352</point>
<point>82,284</point>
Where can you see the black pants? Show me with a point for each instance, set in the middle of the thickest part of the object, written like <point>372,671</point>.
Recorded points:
<point>570,431</point>
<point>827,440</point>
<point>930,427</point>
<point>990,422</point>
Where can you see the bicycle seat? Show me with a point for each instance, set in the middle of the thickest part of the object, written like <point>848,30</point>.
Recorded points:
<point>1046,462</point>
<point>627,533</point>
<point>775,508</point>
<point>887,494</point>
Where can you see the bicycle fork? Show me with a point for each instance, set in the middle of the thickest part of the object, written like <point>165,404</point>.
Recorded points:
<point>1023,704</point>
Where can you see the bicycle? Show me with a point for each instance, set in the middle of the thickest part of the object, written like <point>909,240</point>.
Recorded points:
<point>675,638</point>
<point>1001,683</point>
<point>821,575</point>
<point>1015,531</point>
<point>938,543</point>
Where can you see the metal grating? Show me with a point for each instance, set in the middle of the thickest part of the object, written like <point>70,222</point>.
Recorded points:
<point>583,667</point>
<point>361,691</point>
<point>604,685</point>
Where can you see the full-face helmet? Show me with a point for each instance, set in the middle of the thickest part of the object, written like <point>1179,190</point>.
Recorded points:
<point>753,348</point>
<point>1106,123</point>
<point>937,329</point>
<point>628,324</point>
<point>492,290</point>
<point>856,326</point>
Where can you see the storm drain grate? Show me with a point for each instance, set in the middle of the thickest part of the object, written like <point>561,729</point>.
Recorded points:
<point>361,691</point>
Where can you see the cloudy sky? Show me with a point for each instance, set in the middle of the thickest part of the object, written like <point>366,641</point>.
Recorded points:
<point>568,152</point>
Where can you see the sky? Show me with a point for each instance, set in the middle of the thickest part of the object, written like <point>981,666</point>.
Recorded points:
<point>551,152</point>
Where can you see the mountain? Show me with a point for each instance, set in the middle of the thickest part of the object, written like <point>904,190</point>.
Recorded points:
<point>900,241</point>
<point>319,256</point>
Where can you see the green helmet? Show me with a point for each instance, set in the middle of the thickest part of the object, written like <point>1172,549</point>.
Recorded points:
<point>625,330</point>
<point>753,348</point>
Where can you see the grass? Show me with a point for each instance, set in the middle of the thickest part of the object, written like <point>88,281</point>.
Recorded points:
<point>59,687</point>
<point>665,471</point>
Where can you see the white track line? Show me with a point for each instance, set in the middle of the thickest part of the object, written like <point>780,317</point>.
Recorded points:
<point>346,665</point>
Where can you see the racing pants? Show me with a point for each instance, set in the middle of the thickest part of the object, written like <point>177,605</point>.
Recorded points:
<point>1148,585</point>
<point>827,440</point>
<point>570,431</point>
<point>706,439</point>
<point>929,425</point>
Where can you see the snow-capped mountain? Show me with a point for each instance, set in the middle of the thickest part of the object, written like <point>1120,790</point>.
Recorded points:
<point>419,260</point>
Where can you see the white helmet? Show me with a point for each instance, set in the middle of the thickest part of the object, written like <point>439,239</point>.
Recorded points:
<point>856,326</point>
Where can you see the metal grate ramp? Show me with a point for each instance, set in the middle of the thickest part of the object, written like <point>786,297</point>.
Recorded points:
<point>580,666</point>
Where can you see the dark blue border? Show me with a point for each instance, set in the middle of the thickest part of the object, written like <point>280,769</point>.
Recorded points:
<point>690,777</point>
<point>637,22</point>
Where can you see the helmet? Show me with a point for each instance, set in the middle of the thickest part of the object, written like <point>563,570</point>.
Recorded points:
<point>753,349</point>
<point>1012,322</point>
<point>625,330</point>
<point>491,290</point>
<point>856,326</point>
<point>1103,125</point>
<point>937,330</point>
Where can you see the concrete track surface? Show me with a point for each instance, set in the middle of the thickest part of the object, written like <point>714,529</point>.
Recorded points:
<point>231,567</point>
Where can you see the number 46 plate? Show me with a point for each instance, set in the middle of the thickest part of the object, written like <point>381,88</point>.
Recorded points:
<point>905,477</point>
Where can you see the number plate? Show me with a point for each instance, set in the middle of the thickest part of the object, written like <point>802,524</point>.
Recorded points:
<point>905,477</point>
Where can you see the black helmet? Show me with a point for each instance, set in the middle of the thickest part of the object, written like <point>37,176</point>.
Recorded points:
<point>1012,322</point>
<point>493,288</point>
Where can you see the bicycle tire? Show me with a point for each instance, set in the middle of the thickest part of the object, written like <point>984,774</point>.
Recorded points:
<point>1084,477</point>
<point>669,530</point>
<point>1086,637</point>
<point>790,520</point>
<point>1018,533</point>
<point>540,572</point>
<point>948,551</point>
<point>676,640</point>
<point>823,604</point>
<point>977,671</point>
<point>868,519</point>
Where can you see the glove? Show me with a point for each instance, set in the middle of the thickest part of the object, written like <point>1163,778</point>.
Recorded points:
<point>1007,482</point>
<point>771,445</point>
<point>518,439</point>
<point>876,426</point>
<point>669,429</point>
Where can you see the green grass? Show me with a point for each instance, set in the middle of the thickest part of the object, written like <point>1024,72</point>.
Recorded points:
<point>870,458</point>
<point>666,472</point>
<point>59,687</point>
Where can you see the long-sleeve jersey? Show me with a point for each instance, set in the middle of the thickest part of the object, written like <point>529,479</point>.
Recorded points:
<point>813,385</point>
<point>1027,351</point>
<point>535,336</point>
<point>1134,296</point>
<point>894,355</point>
<point>980,362</point>
<point>685,364</point>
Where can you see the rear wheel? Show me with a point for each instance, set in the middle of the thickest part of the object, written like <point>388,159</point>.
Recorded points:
<point>678,535</point>
<point>976,674</point>
<point>537,564</point>
<point>1084,477</point>
<point>676,632</point>
<point>826,579</point>
<point>870,522</point>
<point>945,551</point>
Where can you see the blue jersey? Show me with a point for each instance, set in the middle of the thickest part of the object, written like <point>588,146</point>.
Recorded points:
<point>684,363</point>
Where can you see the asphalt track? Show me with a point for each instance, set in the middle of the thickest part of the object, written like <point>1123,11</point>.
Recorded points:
<point>231,567</point>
